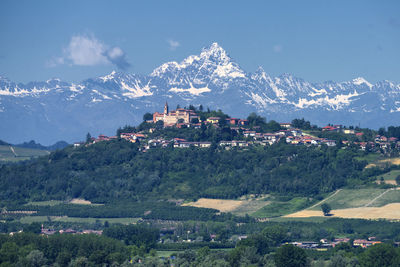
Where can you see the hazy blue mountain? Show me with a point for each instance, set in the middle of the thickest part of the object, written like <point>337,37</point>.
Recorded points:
<point>32,144</point>
<point>54,110</point>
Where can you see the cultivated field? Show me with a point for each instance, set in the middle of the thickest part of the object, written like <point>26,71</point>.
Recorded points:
<point>358,203</point>
<point>384,162</point>
<point>80,201</point>
<point>278,208</point>
<point>354,198</point>
<point>223,205</point>
<point>390,196</point>
<point>10,153</point>
<point>237,207</point>
<point>395,161</point>
<point>389,211</point>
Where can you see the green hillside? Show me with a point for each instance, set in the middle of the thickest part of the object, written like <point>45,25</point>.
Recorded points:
<point>355,198</point>
<point>117,170</point>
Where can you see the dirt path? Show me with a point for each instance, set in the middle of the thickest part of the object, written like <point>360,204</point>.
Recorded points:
<point>13,151</point>
<point>372,201</point>
<point>322,201</point>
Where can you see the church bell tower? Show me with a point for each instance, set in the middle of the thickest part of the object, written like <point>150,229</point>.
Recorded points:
<point>166,110</point>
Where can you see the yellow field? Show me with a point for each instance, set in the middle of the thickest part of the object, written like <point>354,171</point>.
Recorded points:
<point>223,205</point>
<point>80,201</point>
<point>237,207</point>
<point>389,211</point>
<point>392,182</point>
<point>394,161</point>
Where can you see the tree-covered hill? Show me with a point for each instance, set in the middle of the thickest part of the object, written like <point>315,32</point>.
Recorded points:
<point>118,170</point>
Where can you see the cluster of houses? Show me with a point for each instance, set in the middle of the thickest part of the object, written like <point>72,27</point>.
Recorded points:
<point>48,231</point>
<point>379,141</point>
<point>291,136</point>
<point>250,137</point>
<point>325,244</point>
<point>189,118</point>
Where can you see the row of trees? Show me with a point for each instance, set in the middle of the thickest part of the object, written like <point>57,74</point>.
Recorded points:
<point>147,210</point>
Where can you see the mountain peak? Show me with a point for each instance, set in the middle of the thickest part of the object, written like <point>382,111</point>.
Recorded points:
<point>260,70</point>
<point>213,59</point>
<point>216,52</point>
<point>259,74</point>
<point>361,80</point>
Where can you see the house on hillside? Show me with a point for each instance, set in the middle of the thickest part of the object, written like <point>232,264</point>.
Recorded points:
<point>328,142</point>
<point>249,133</point>
<point>348,131</point>
<point>173,117</point>
<point>133,137</point>
<point>286,125</point>
<point>365,243</point>
<point>213,120</point>
<point>233,121</point>
<point>296,132</point>
<point>243,122</point>
<point>330,129</point>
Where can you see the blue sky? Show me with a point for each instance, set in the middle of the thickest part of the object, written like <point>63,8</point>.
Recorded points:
<point>315,40</point>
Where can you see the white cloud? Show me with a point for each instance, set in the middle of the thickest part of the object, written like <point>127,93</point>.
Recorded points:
<point>116,56</point>
<point>84,50</point>
<point>277,48</point>
<point>173,44</point>
<point>115,52</point>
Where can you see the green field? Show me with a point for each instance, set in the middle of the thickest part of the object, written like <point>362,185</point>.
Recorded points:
<point>370,158</point>
<point>279,208</point>
<point>14,154</point>
<point>389,175</point>
<point>392,196</point>
<point>353,198</point>
<point>250,207</point>
<point>31,219</point>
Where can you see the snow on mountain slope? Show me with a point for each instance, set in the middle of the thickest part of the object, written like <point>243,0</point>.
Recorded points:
<point>54,110</point>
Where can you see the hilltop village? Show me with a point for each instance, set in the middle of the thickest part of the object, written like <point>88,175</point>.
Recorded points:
<point>246,132</point>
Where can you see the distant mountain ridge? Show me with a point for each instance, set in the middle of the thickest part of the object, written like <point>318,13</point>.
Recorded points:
<point>53,110</point>
<point>32,144</point>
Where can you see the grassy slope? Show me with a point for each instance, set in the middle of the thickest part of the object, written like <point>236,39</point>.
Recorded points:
<point>389,175</point>
<point>390,197</point>
<point>279,208</point>
<point>6,153</point>
<point>352,198</point>
<point>250,207</point>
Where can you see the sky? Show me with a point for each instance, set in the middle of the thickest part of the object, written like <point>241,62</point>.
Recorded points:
<point>316,40</point>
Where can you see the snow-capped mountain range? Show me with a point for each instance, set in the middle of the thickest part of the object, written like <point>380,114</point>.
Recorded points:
<point>55,110</point>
